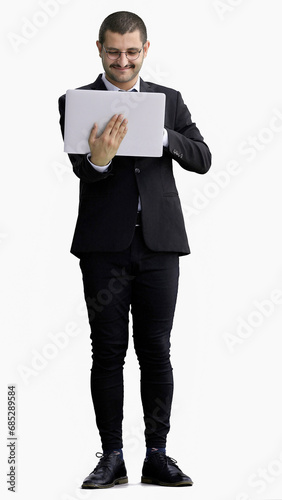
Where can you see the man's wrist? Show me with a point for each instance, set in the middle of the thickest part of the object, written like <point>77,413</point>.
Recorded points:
<point>99,168</point>
<point>99,164</point>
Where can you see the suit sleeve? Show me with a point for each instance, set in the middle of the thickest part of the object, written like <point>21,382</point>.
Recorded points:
<point>186,144</point>
<point>80,163</point>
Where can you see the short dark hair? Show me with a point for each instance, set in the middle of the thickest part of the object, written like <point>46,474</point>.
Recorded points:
<point>123,22</point>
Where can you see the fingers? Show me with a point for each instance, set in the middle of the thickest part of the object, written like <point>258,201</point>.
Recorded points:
<point>104,147</point>
<point>93,133</point>
<point>122,130</point>
<point>116,125</point>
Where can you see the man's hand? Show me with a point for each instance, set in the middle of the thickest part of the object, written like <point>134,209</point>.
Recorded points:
<point>105,147</point>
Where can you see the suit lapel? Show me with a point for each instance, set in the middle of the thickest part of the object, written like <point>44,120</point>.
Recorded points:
<point>144,86</point>
<point>98,84</point>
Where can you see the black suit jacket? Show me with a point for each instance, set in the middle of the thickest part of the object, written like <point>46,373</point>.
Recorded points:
<point>108,201</point>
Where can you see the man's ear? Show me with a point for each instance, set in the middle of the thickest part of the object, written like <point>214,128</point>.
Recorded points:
<point>146,48</point>
<point>100,47</point>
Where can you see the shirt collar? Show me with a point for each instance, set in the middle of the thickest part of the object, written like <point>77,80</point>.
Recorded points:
<point>110,86</point>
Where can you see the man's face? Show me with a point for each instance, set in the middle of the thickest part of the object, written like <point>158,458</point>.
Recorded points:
<point>122,72</point>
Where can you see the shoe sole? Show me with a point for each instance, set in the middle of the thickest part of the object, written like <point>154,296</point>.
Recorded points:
<point>151,480</point>
<point>89,486</point>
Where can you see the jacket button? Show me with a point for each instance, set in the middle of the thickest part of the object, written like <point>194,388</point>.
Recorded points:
<point>137,170</point>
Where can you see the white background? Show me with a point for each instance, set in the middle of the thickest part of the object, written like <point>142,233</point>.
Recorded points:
<point>225,58</point>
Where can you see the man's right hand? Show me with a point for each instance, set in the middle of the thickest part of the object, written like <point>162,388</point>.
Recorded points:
<point>105,147</point>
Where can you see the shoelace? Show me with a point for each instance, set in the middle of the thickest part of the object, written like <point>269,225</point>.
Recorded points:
<point>167,460</point>
<point>172,461</point>
<point>103,462</point>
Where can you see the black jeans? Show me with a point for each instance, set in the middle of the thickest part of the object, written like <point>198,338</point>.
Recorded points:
<point>147,282</point>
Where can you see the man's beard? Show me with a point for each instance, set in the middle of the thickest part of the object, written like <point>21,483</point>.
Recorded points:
<point>130,77</point>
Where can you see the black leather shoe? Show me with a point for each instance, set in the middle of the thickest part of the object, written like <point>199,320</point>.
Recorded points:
<point>160,469</point>
<point>109,472</point>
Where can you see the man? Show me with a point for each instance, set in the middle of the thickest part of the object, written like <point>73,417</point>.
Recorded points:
<point>129,236</point>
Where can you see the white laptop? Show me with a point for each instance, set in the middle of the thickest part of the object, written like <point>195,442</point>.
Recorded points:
<point>145,112</point>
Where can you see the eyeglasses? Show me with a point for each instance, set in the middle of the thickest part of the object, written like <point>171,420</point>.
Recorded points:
<point>131,54</point>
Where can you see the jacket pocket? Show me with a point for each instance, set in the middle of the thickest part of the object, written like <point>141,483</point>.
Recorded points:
<point>172,193</point>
